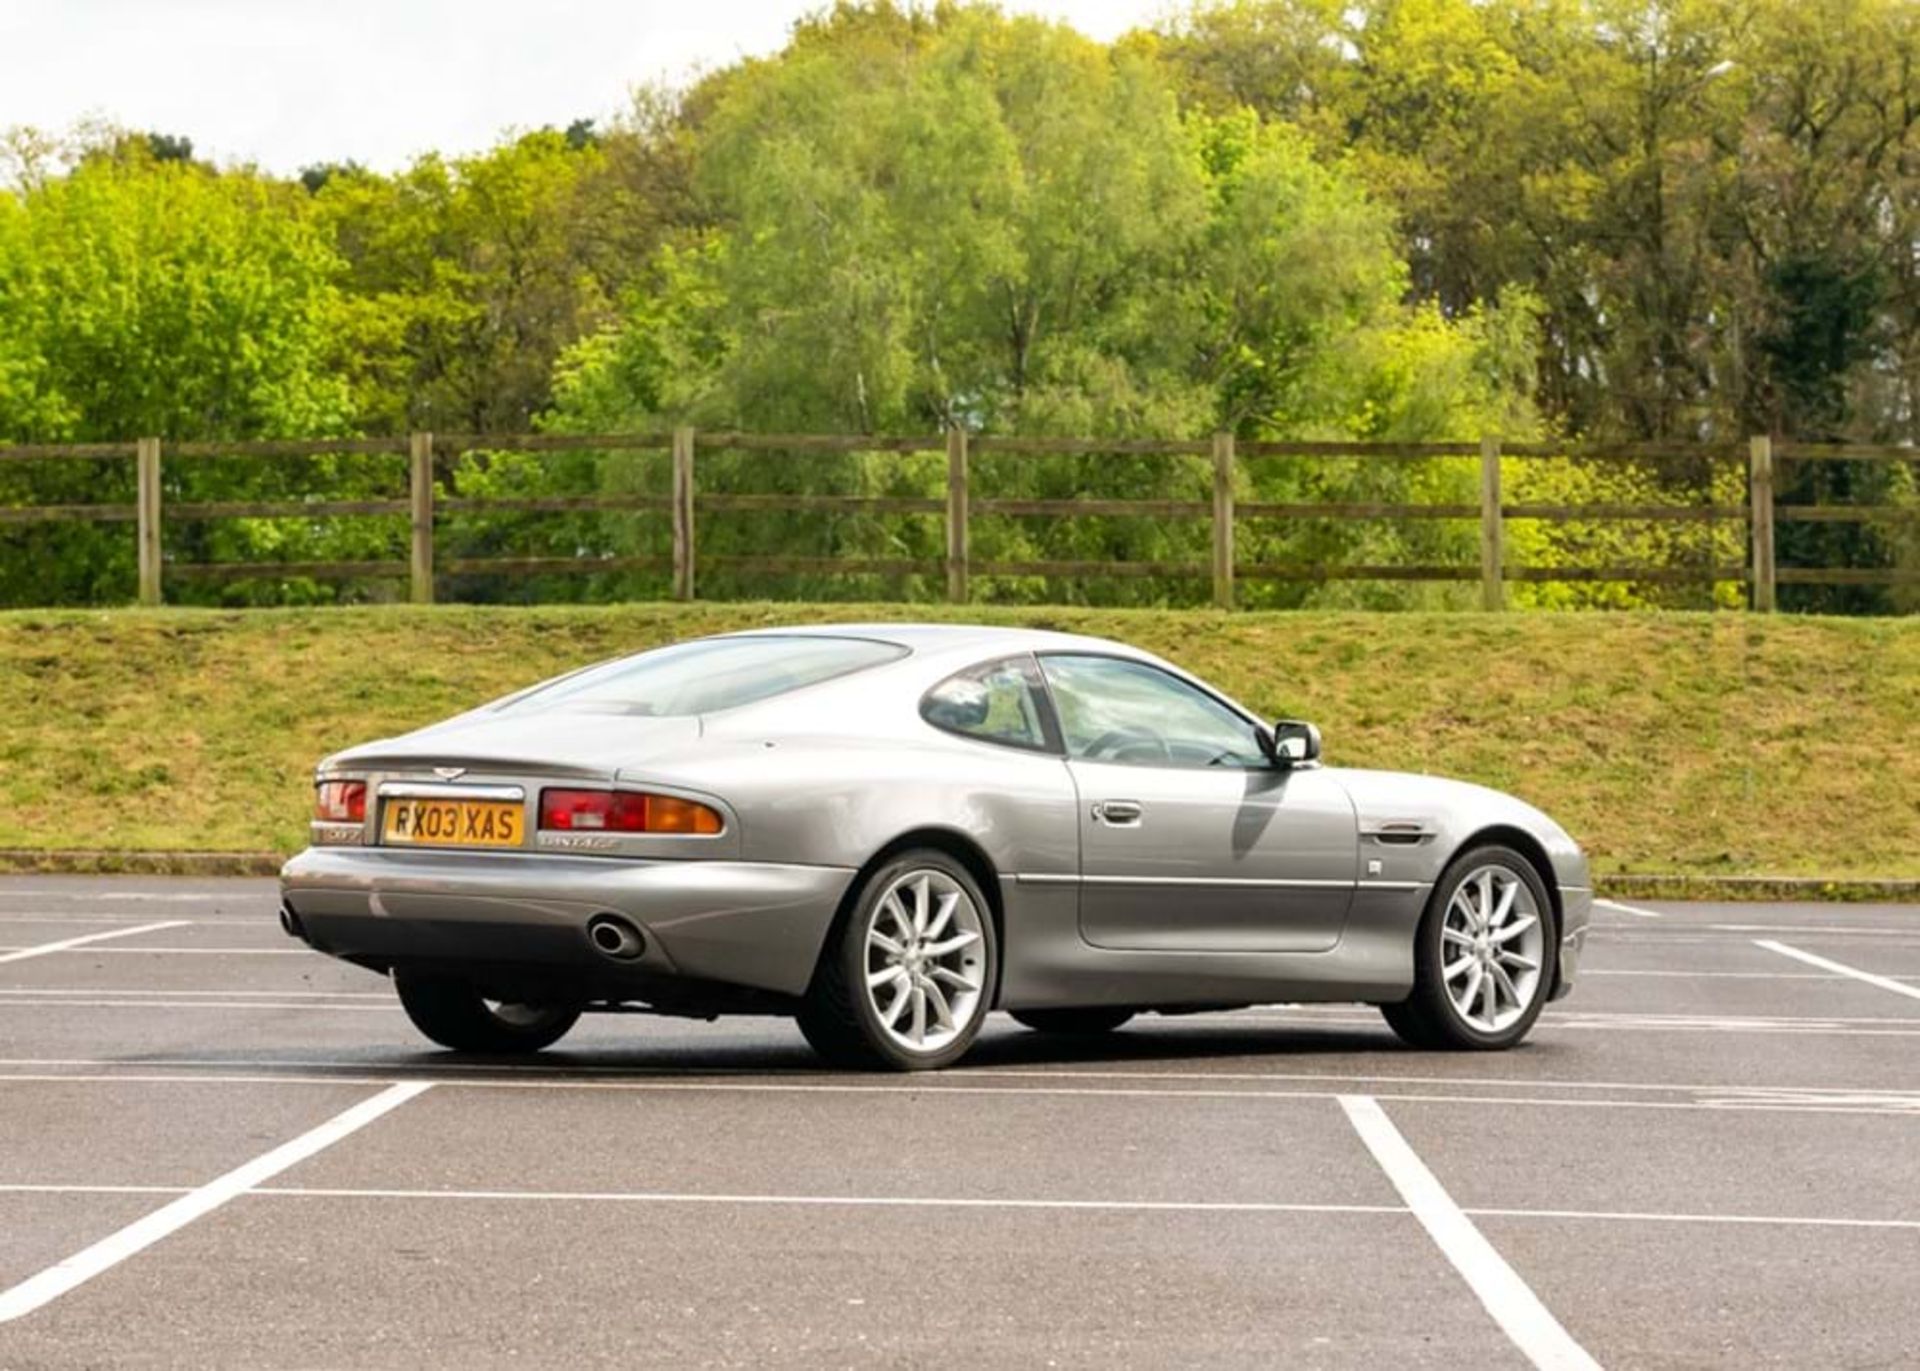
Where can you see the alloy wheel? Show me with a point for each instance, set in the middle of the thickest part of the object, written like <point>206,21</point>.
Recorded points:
<point>925,960</point>
<point>1491,948</point>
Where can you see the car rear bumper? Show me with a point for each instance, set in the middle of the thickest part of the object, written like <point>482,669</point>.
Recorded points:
<point>753,924</point>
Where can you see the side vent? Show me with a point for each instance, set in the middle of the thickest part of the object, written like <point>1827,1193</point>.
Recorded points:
<point>1398,833</point>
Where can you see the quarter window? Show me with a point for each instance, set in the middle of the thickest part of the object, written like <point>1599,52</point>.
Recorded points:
<point>1115,710</point>
<point>996,702</point>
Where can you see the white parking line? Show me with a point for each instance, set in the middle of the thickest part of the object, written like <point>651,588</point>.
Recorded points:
<point>211,1078</point>
<point>1841,930</point>
<point>17,1002</point>
<point>1383,1085</point>
<point>187,951</point>
<point>1522,1317</point>
<point>24,1188</point>
<point>1303,1017</point>
<point>1248,1207</point>
<point>1827,964</point>
<point>1568,1021</point>
<point>119,922</point>
<point>1587,971</point>
<point>382,995</point>
<point>1597,1017</point>
<point>50,1284</point>
<point>139,897</point>
<point>1864,1103</point>
<point>968,1202</point>
<point>49,917</point>
<point>45,948</point>
<point>848,1201</point>
<point>144,896</point>
<point>585,1073</point>
<point>1619,908</point>
<point>1635,1216</point>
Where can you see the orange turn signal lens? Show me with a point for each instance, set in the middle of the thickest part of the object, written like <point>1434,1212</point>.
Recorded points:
<point>624,811</point>
<point>669,814</point>
<point>340,802</point>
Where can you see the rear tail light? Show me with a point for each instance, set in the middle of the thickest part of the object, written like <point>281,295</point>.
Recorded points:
<point>624,811</point>
<point>340,802</point>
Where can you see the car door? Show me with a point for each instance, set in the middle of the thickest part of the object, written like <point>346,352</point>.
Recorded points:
<point>1190,839</point>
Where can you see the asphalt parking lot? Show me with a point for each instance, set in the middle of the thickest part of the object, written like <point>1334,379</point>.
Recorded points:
<point>217,1148</point>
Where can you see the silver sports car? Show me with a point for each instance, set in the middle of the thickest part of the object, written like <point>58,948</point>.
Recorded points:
<point>888,831</point>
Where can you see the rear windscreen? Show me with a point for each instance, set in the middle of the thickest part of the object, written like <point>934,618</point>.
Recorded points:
<point>705,676</point>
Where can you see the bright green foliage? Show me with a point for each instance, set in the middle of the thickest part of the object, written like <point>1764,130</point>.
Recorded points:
<point>1712,201</point>
<point>144,296</point>
<point>1674,221</point>
<point>1672,179</point>
<point>995,222</point>
<point>971,219</point>
<point>157,297</point>
<point>464,279</point>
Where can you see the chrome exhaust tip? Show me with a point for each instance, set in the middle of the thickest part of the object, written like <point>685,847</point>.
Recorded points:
<point>614,937</point>
<point>290,923</point>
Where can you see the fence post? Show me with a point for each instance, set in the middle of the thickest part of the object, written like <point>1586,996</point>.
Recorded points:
<point>1223,520</point>
<point>146,457</point>
<point>420,472</point>
<point>1760,488</point>
<point>683,513</point>
<point>1492,535</point>
<point>957,514</point>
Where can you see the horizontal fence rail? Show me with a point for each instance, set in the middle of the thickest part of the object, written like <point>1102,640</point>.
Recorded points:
<point>423,504</point>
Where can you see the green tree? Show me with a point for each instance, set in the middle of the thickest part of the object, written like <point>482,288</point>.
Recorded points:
<point>158,297</point>
<point>142,296</point>
<point>465,278</point>
<point>1711,201</point>
<point>958,217</point>
<point>963,217</point>
<point>1669,179</point>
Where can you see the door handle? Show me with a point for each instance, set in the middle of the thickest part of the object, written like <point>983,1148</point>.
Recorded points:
<point>1119,813</point>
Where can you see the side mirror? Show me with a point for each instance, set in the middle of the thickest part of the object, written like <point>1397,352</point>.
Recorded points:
<point>1294,743</point>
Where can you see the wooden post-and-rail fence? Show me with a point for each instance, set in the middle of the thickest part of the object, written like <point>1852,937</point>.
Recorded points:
<point>1760,514</point>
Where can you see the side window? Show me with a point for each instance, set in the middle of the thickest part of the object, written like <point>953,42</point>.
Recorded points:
<point>996,702</point>
<point>1115,710</point>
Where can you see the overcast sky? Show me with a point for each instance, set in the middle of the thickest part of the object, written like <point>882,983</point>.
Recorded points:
<point>286,83</point>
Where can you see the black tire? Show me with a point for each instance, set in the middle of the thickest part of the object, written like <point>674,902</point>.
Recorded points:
<point>838,1017</point>
<point>1429,1018</point>
<point>454,1014</point>
<point>1084,1022</point>
<point>1410,1025</point>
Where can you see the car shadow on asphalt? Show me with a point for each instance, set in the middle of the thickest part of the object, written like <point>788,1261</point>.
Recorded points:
<point>1149,1043</point>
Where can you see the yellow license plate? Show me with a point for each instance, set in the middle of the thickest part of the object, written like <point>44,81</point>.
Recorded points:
<point>453,823</point>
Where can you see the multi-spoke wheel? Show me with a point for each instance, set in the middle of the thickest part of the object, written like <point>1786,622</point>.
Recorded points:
<point>456,1015</point>
<point>911,976</point>
<point>1483,955</point>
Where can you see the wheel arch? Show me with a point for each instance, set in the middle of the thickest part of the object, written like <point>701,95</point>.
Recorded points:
<point>1521,841</point>
<point>953,843</point>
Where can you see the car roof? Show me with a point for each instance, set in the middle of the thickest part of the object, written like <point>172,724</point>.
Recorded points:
<point>984,638</point>
<point>935,650</point>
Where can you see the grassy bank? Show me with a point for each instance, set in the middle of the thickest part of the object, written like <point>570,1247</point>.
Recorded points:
<point>1704,744</point>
